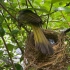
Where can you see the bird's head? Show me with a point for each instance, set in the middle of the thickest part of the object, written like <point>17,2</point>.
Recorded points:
<point>26,16</point>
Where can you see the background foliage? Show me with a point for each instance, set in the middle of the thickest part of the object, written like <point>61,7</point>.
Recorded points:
<point>54,13</point>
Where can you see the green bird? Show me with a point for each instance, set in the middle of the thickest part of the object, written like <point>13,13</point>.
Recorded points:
<point>41,42</point>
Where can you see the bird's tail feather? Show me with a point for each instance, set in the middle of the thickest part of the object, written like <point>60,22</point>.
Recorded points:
<point>41,41</point>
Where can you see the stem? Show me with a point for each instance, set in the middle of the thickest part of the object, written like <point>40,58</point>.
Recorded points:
<point>9,54</point>
<point>19,4</point>
<point>13,17</point>
<point>13,35</point>
<point>26,3</point>
<point>32,6</point>
<point>49,14</point>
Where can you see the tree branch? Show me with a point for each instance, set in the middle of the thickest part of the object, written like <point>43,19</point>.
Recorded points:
<point>13,17</point>
<point>9,54</point>
<point>32,6</point>
<point>13,35</point>
<point>49,14</point>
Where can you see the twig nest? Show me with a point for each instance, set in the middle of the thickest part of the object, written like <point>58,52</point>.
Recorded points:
<point>35,60</point>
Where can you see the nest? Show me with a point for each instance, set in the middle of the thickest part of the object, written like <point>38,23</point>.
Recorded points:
<point>34,60</point>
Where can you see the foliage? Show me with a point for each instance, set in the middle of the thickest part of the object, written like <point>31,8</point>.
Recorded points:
<point>54,13</point>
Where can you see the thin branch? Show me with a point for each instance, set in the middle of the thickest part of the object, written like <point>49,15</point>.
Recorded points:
<point>68,4</point>
<point>18,4</point>
<point>13,35</point>
<point>49,14</point>
<point>32,6</point>
<point>26,3</point>
<point>56,10</point>
<point>8,11</point>
<point>13,17</point>
<point>9,54</point>
<point>64,17</point>
<point>10,3</point>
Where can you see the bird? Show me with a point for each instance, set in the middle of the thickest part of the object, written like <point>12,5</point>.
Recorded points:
<point>28,17</point>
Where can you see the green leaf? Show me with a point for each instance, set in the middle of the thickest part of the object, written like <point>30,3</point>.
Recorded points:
<point>1,19</point>
<point>68,67</point>
<point>0,24</point>
<point>66,9</point>
<point>1,53</point>
<point>1,68</point>
<point>42,10</point>
<point>10,47</point>
<point>1,1</point>
<point>2,32</point>
<point>18,67</point>
<point>54,1</point>
<point>14,32</point>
